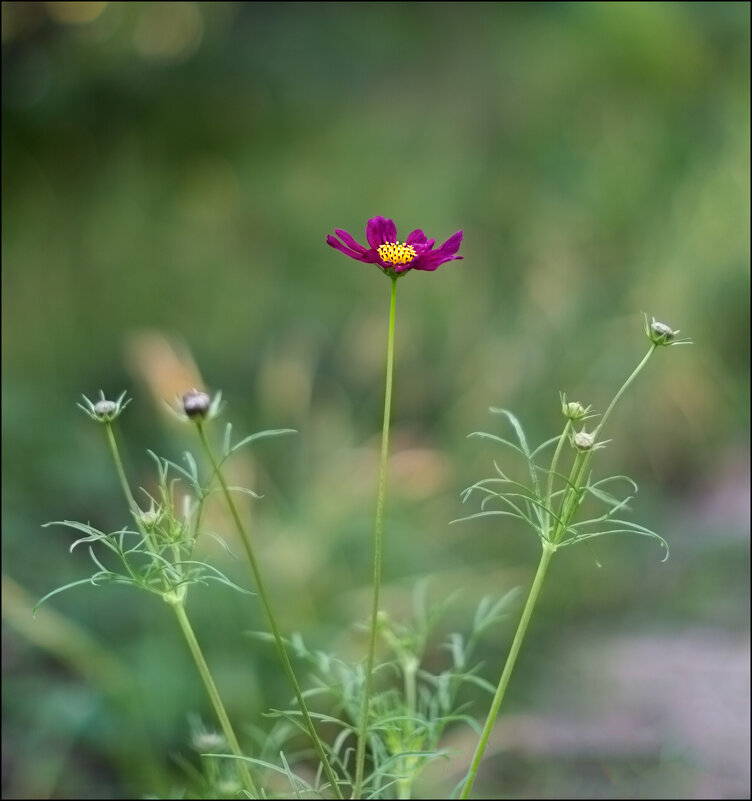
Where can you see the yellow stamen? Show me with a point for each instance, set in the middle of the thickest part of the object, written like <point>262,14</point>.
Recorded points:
<point>395,253</point>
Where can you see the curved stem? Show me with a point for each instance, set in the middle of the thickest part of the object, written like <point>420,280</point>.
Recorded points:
<point>264,596</point>
<point>211,689</point>
<point>377,549</point>
<point>548,551</point>
<point>618,395</point>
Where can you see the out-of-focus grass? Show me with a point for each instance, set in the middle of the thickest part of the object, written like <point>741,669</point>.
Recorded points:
<point>176,167</point>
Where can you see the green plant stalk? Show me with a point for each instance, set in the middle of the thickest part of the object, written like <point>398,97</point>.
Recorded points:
<point>577,476</point>
<point>211,689</point>
<point>554,465</point>
<point>548,552</point>
<point>405,783</point>
<point>132,505</point>
<point>266,602</point>
<point>130,500</point>
<point>623,389</point>
<point>569,499</point>
<point>176,602</point>
<point>579,470</point>
<point>360,758</point>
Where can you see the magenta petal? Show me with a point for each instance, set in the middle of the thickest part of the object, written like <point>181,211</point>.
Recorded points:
<point>431,259</point>
<point>417,237</point>
<point>337,245</point>
<point>349,241</point>
<point>451,246</point>
<point>380,230</point>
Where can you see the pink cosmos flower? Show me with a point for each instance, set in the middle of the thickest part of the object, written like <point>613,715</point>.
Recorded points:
<point>393,257</point>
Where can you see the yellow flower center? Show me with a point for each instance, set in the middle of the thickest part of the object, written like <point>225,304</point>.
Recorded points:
<point>395,253</point>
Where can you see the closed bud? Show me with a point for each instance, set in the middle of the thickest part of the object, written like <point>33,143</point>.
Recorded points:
<point>103,410</point>
<point>151,517</point>
<point>196,404</point>
<point>583,441</point>
<point>573,410</point>
<point>662,334</point>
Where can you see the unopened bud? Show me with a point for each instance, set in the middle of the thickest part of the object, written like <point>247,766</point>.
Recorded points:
<point>662,334</point>
<point>196,404</point>
<point>103,410</point>
<point>151,517</point>
<point>573,410</point>
<point>583,441</point>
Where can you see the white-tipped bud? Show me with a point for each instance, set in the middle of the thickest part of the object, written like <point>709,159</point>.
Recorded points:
<point>662,334</point>
<point>151,518</point>
<point>583,441</point>
<point>573,410</point>
<point>103,410</point>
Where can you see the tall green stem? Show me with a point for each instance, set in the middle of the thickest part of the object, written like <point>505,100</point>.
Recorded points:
<point>175,600</point>
<point>548,551</point>
<point>266,602</point>
<point>377,549</point>
<point>211,689</point>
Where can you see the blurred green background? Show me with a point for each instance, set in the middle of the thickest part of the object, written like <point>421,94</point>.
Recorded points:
<point>170,172</point>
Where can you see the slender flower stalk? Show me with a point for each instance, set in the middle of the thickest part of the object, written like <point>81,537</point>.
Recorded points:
<point>585,444</point>
<point>394,259</point>
<point>527,612</point>
<point>266,602</point>
<point>377,551</point>
<point>213,693</point>
<point>177,602</point>
<point>623,389</point>
<point>132,505</point>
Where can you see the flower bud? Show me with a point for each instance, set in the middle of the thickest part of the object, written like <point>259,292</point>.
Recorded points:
<point>573,410</point>
<point>103,410</point>
<point>150,518</point>
<point>196,404</point>
<point>662,334</point>
<point>583,441</point>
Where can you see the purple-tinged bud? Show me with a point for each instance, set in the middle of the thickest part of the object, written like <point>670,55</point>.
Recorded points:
<point>196,404</point>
